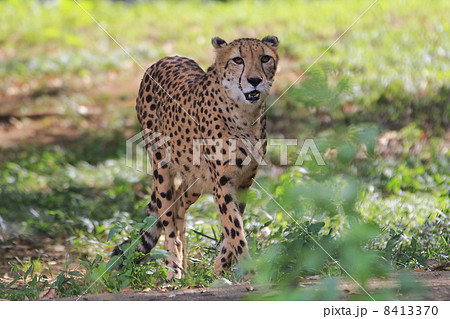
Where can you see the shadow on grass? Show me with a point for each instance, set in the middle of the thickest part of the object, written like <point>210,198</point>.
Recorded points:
<point>91,146</point>
<point>58,189</point>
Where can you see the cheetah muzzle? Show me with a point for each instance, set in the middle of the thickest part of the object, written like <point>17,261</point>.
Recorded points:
<point>224,109</point>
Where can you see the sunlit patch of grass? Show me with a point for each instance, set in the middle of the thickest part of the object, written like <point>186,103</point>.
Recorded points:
<point>382,52</point>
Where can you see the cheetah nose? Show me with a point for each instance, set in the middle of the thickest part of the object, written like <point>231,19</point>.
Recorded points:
<point>254,81</point>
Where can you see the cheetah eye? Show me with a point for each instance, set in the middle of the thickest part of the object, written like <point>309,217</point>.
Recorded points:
<point>265,58</point>
<point>238,60</point>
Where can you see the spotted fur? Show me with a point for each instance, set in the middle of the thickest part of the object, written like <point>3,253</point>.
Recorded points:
<point>178,100</point>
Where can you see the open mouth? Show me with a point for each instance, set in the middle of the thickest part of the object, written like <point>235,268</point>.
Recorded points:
<point>252,96</point>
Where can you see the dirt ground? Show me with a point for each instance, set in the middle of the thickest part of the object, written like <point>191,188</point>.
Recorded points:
<point>436,284</point>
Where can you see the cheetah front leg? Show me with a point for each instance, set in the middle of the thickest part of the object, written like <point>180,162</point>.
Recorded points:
<point>234,244</point>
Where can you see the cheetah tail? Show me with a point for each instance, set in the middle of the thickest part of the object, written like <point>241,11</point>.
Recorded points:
<point>149,238</point>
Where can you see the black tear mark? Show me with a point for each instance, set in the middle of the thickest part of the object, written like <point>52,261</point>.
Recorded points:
<point>243,68</point>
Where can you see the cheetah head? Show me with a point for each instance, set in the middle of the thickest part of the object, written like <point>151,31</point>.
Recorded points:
<point>246,68</point>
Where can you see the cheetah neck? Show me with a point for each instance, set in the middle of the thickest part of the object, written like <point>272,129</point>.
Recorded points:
<point>247,121</point>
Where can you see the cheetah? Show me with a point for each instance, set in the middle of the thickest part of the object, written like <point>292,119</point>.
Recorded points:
<point>184,111</point>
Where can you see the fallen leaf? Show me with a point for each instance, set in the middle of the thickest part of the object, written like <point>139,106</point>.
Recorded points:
<point>445,266</point>
<point>49,294</point>
<point>349,292</point>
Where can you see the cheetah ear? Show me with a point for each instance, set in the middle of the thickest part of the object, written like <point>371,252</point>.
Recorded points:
<point>218,42</point>
<point>271,41</point>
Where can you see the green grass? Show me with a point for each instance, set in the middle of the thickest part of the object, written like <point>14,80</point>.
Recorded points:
<point>395,50</point>
<point>374,212</point>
